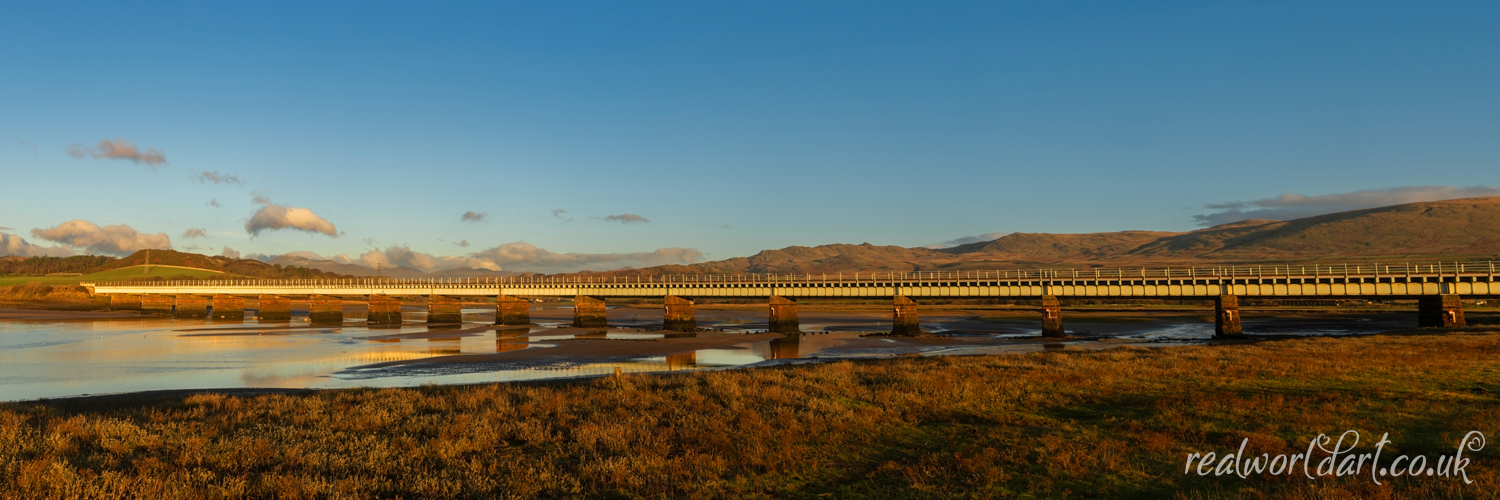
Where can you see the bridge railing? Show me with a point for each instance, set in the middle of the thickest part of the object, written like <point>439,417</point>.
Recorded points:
<point>1255,271</point>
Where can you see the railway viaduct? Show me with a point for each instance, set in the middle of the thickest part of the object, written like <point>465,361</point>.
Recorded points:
<point>1438,289</point>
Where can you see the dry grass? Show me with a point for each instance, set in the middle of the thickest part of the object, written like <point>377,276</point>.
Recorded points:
<point>1104,424</point>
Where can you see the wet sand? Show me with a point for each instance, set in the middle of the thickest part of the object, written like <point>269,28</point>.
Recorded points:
<point>586,349</point>
<point>42,314</point>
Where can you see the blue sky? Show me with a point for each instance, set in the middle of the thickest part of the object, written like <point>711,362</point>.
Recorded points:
<point>730,128</point>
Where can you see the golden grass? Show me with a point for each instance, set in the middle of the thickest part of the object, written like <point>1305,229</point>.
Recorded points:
<point>1105,424</point>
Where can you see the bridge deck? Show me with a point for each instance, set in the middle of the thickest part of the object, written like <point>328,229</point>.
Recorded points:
<point>1352,280</point>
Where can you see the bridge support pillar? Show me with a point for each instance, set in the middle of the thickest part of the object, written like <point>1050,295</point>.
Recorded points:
<point>229,307</point>
<point>512,310</point>
<point>273,308</point>
<point>904,317</point>
<point>1227,317</point>
<point>441,309</point>
<point>1052,317</point>
<point>384,310</point>
<point>1440,311</point>
<point>784,315</point>
<point>679,314</point>
<point>157,304</point>
<point>588,312</point>
<point>124,302</point>
<point>190,307</point>
<point>325,310</point>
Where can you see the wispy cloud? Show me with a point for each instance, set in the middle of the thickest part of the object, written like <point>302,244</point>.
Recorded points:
<point>1296,206</point>
<point>562,214</point>
<point>967,240</point>
<point>194,233</point>
<point>272,217</point>
<point>118,239</point>
<point>213,202</point>
<point>3,228</point>
<point>18,140</point>
<point>472,216</point>
<point>208,176</point>
<point>627,219</point>
<point>12,245</point>
<point>118,149</point>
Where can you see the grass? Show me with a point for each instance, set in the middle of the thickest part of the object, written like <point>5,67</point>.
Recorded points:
<point>113,274</point>
<point>1056,424</point>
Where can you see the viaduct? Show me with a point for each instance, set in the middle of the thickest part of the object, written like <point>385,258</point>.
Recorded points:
<point>1437,287</point>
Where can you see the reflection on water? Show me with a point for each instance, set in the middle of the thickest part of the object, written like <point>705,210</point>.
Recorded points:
<point>63,358</point>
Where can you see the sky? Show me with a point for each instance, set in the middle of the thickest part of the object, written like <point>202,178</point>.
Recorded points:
<point>559,136</point>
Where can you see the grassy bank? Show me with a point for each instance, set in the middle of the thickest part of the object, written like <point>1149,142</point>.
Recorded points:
<point>1057,424</point>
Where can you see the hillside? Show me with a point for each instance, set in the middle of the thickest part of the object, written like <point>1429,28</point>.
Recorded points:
<point>1447,230</point>
<point>1466,228</point>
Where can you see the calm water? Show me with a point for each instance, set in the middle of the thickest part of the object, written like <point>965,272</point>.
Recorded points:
<point>44,359</point>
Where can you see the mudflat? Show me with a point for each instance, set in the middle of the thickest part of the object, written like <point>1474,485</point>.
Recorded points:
<point>46,314</point>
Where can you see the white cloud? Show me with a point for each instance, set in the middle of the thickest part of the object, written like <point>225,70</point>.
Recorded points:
<point>1296,206</point>
<point>518,256</point>
<point>12,245</point>
<point>522,256</point>
<point>118,239</point>
<point>230,252</point>
<point>272,217</point>
<point>118,149</point>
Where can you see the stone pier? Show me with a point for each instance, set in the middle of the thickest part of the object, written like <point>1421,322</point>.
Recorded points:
<point>441,309</point>
<point>383,310</point>
<point>229,307</point>
<point>588,312</point>
<point>678,314</point>
<point>124,302</point>
<point>1440,311</point>
<point>1227,317</point>
<point>157,304</point>
<point>784,315</point>
<point>1052,317</point>
<point>904,317</point>
<point>325,310</point>
<point>512,310</point>
<point>273,308</point>
<point>191,307</point>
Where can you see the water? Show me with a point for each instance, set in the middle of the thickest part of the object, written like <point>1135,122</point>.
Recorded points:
<point>57,358</point>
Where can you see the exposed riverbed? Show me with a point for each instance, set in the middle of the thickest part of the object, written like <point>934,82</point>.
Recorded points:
<point>56,354</point>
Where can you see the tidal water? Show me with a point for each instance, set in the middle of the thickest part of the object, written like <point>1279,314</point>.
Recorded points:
<point>61,358</point>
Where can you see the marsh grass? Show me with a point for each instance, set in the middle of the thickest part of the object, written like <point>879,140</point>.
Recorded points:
<point>1057,424</point>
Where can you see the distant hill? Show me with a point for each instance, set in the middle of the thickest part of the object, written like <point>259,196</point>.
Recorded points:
<point>1467,228</point>
<point>1447,230</point>
<point>88,264</point>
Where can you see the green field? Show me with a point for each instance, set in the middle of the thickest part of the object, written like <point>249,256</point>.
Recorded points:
<point>113,274</point>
